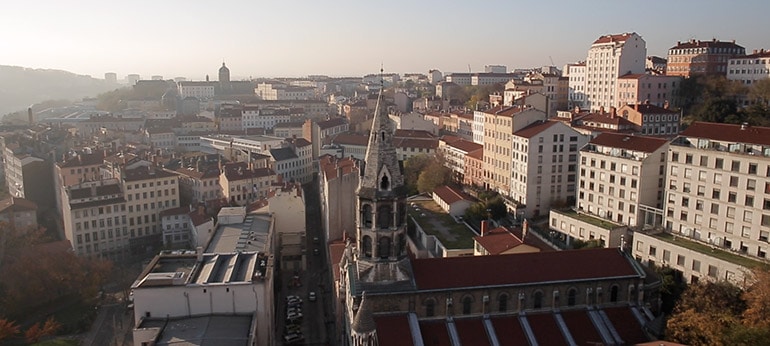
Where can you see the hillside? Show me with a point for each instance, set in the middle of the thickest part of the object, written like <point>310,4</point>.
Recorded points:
<point>21,87</point>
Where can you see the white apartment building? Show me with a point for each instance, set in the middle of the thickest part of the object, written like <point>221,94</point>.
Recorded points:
<point>294,161</point>
<point>545,165</point>
<point>252,144</point>
<point>15,167</point>
<point>610,57</point>
<point>719,187</point>
<point>186,227</point>
<point>265,118</point>
<point>620,175</point>
<point>94,219</point>
<point>621,186</point>
<point>242,184</point>
<point>750,68</point>
<point>199,90</point>
<point>478,127</point>
<point>199,184</point>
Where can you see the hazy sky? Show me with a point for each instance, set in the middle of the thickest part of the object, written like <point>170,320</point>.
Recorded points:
<point>348,38</point>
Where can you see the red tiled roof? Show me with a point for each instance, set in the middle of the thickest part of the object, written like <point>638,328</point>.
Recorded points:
<point>144,173</point>
<point>415,134</point>
<point>477,154</point>
<point>649,109</point>
<point>635,143</point>
<point>332,123</point>
<point>465,145</point>
<point>626,325</point>
<point>613,38</point>
<point>240,170</point>
<point>351,139</point>
<point>471,331</point>
<point>81,160</point>
<point>473,271</point>
<point>497,240</point>
<point>393,329</point>
<point>450,138</point>
<point>544,327</point>
<point>300,142</point>
<point>336,250</point>
<point>508,330</point>
<point>760,54</point>
<point>632,76</point>
<point>415,143</point>
<point>535,128</point>
<point>451,195</point>
<point>434,333</point>
<point>605,118</point>
<point>581,328</point>
<point>329,165</point>
<point>17,204</point>
<point>198,216</point>
<point>505,110</point>
<point>175,211</point>
<point>728,133</point>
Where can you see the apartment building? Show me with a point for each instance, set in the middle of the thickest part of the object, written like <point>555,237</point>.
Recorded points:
<point>199,184</point>
<point>294,160</point>
<point>750,68</point>
<point>242,184</point>
<point>499,125</point>
<point>610,57</point>
<point>454,153</point>
<point>197,89</point>
<point>656,90</point>
<point>474,168</point>
<point>652,120</point>
<point>148,190</point>
<point>621,186</point>
<point>265,118</point>
<point>719,187</point>
<point>18,213</point>
<point>544,166</point>
<point>95,220</point>
<point>319,132</point>
<point>701,57</point>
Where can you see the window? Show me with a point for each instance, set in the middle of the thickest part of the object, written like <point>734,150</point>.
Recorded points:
<point>736,166</point>
<point>430,308</point>
<point>653,251</point>
<point>467,301</point>
<point>614,293</point>
<point>571,296</point>
<point>680,260</point>
<point>502,303</point>
<point>537,300</point>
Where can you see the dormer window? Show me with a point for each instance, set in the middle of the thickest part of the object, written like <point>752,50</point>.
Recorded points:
<point>384,183</point>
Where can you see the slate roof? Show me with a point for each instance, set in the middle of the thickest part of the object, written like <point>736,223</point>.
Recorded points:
<point>283,154</point>
<point>535,128</point>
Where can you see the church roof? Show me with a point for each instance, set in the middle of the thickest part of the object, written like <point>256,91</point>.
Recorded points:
<point>363,322</point>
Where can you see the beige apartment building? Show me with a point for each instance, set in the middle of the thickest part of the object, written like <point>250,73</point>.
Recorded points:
<point>149,190</point>
<point>94,219</point>
<point>719,187</point>
<point>499,125</point>
<point>642,88</point>
<point>610,57</point>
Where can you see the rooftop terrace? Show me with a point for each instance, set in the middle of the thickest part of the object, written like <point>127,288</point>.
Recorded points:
<point>438,223</point>
<point>588,219</point>
<point>710,250</point>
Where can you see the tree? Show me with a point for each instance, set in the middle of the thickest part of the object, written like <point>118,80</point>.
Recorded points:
<point>757,298</point>
<point>412,169</point>
<point>433,176</point>
<point>705,314</point>
<point>586,244</point>
<point>8,329</point>
<point>38,331</point>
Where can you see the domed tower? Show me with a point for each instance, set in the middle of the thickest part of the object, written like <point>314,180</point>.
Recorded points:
<point>224,74</point>
<point>381,206</point>
<point>363,328</point>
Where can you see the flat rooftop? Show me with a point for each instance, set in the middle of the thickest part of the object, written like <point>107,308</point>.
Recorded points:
<point>231,330</point>
<point>710,250</point>
<point>588,219</point>
<point>251,235</point>
<point>437,222</point>
<point>183,268</point>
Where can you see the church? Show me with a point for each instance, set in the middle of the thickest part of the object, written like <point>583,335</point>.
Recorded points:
<point>388,297</point>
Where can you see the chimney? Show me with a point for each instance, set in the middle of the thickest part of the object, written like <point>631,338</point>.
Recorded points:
<point>201,210</point>
<point>30,116</point>
<point>613,112</point>
<point>754,52</point>
<point>299,190</point>
<point>647,101</point>
<point>524,229</point>
<point>636,106</point>
<point>601,110</point>
<point>665,104</point>
<point>484,227</point>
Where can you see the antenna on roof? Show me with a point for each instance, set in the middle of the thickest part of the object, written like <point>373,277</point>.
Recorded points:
<point>382,76</point>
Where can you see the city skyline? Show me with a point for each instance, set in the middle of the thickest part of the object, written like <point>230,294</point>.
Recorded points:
<point>348,39</point>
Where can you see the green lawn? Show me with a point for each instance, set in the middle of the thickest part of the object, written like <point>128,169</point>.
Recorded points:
<point>436,220</point>
<point>588,218</point>
<point>708,250</point>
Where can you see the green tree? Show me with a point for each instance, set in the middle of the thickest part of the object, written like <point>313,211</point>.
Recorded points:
<point>435,174</point>
<point>586,244</point>
<point>705,314</point>
<point>412,169</point>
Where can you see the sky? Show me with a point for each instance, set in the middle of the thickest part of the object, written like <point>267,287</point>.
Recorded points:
<point>267,38</point>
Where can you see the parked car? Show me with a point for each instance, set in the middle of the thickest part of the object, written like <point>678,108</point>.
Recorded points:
<point>293,338</point>
<point>311,297</point>
<point>316,252</point>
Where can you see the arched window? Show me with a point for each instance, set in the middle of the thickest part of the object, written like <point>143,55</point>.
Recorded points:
<point>571,295</point>
<point>430,308</point>
<point>614,293</point>
<point>502,303</point>
<point>384,247</point>
<point>384,217</point>
<point>537,300</point>
<point>467,301</point>
<point>366,215</point>
<point>366,246</point>
<point>384,183</point>
<point>400,245</point>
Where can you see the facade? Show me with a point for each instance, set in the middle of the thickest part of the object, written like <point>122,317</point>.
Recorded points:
<point>751,68</point>
<point>287,207</point>
<point>199,184</point>
<point>242,184</point>
<point>499,125</point>
<point>701,57</point>
<point>95,124</point>
<point>338,179</point>
<point>18,213</point>
<point>473,171</point>
<point>452,200</point>
<point>19,169</point>
<point>656,90</point>
<point>288,130</point>
<point>293,161</point>
<point>95,219</point>
<point>544,167</point>
<point>610,57</point>
<point>454,153</point>
<point>148,190</point>
<point>651,120</point>
<point>265,118</point>
<point>414,121</point>
<point>718,187</point>
<point>319,132</point>
<point>199,90</point>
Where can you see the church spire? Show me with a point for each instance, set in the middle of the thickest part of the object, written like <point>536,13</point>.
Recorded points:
<point>382,173</point>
